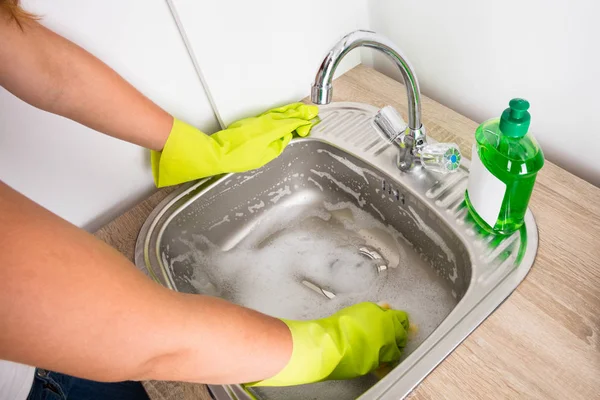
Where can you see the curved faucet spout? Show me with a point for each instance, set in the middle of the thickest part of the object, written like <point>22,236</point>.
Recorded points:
<point>322,88</point>
<point>410,141</point>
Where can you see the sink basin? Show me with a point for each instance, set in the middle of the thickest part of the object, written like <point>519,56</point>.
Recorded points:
<point>332,222</point>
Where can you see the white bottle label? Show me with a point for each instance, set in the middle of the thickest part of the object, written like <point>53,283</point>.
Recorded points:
<point>486,192</point>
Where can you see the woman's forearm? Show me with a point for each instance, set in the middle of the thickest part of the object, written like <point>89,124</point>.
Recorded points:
<point>54,74</point>
<point>70,303</point>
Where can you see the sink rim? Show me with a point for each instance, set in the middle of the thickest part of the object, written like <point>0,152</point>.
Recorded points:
<point>477,303</point>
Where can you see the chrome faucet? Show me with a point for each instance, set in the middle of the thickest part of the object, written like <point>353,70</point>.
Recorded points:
<point>410,139</point>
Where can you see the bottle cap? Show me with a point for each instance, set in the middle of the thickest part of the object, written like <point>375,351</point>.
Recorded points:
<point>515,120</point>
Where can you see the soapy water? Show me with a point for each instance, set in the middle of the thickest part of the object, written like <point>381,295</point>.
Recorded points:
<point>263,265</point>
<point>319,244</point>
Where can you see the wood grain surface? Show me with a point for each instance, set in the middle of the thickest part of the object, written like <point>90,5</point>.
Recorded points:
<point>544,341</point>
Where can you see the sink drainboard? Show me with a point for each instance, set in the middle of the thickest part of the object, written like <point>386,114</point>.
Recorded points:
<point>331,222</point>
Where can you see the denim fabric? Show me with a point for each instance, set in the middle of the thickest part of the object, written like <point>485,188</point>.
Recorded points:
<point>49,385</point>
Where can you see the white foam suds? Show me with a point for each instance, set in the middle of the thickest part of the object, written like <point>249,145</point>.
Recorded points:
<point>245,178</point>
<point>437,239</point>
<point>255,207</point>
<point>377,211</point>
<point>353,167</point>
<point>225,219</point>
<point>349,164</point>
<point>317,184</point>
<point>318,244</point>
<point>339,184</point>
<point>433,235</point>
<point>279,193</point>
<point>454,274</point>
<point>239,214</point>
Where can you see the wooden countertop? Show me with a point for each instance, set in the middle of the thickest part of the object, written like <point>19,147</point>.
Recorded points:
<point>544,341</point>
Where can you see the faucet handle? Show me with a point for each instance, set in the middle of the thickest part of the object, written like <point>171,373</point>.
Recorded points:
<point>390,124</point>
<point>437,157</point>
<point>440,157</point>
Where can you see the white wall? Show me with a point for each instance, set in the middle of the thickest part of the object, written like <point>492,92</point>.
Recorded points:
<point>474,56</point>
<point>258,54</point>
<point>254,55</point>
<point>470,55</point>
<point>81,175</point>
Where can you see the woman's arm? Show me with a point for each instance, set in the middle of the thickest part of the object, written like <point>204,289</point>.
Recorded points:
<point>70,303</point>
<point>54,74</point>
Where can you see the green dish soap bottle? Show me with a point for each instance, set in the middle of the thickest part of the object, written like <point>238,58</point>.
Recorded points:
<point>504,164</point>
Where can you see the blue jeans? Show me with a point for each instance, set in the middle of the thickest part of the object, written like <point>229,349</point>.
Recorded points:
<point>49,385</point>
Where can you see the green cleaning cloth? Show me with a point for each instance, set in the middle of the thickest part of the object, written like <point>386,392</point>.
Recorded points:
<point>250,143</point>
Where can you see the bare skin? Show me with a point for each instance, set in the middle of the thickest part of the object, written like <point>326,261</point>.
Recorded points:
<point>69,302</point>
<point>55,75</point>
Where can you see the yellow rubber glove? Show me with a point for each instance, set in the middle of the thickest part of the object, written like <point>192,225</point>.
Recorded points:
<point>350,343</point>
<point>247,144</point>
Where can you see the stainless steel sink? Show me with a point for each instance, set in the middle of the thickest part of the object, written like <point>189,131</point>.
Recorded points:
<point>332,222</point>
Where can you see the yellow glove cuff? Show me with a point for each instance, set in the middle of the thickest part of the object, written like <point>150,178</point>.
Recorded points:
<point>314,356</point>
<point>188,154</point>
